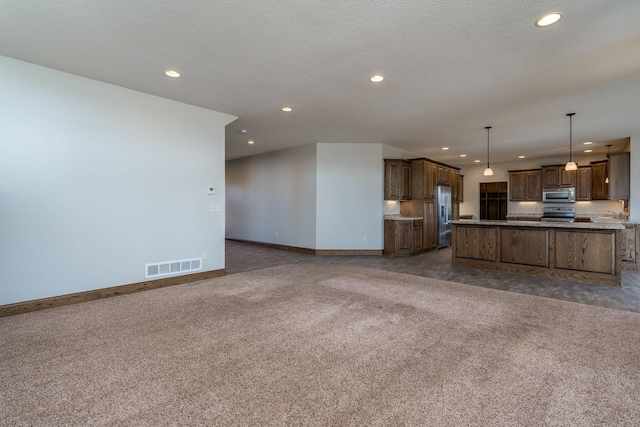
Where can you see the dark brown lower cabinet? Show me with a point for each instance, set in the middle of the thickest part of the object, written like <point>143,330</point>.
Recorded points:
<point>630,247</point>
<point>430,225</point>
<point>403,237</point>
<point>417,236</point>
<point>576,252</point>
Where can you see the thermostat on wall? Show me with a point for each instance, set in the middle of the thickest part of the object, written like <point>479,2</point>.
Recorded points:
<point>211,190</point>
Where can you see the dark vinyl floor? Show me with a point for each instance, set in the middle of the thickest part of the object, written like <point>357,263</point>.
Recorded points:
<point>241,257</point>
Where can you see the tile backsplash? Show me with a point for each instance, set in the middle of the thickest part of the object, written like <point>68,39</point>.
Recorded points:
<point>582,208</point>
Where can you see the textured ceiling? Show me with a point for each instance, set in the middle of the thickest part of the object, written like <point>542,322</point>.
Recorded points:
<point>451,67</point>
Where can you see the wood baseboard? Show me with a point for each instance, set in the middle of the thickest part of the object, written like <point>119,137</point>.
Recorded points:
<point>340,252</point>
<point>62,300</point>
<point>275,246</point>
<point>321,252</point>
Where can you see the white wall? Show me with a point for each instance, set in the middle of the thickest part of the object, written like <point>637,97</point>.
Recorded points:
<point>634,198</point>
<point>350,185</point>
<point>97,180</point>
<point>473,176</point>
<point>271,197</point>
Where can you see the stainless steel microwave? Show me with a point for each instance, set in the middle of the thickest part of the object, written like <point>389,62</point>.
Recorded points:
<point>559,195</point>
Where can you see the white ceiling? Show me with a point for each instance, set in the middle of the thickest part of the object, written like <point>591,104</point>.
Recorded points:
<point>451,67</point>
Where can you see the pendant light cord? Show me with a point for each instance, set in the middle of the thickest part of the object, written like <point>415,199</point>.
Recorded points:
<point>570,136</point>
<point>487,128</point>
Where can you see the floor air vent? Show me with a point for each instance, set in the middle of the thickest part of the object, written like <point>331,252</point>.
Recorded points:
<point>160,269</point>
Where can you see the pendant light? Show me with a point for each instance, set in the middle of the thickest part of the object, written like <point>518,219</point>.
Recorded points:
<point>606,181</point>
<point>488,171</point>
<point>571,165</point>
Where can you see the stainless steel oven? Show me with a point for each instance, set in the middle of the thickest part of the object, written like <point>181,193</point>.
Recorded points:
<point>558,214</point>
<point>559,195</point>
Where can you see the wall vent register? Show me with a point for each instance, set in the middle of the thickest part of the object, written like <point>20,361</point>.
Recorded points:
<point>168,268</point>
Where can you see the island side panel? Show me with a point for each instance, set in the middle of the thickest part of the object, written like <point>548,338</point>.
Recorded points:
<point>472,241</point>
<point>519,245</point>
<point>476,243</point>
<point>586,250</point>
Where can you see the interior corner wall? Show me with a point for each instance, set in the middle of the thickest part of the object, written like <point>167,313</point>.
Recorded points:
<point>97,180</point>
<point>271,198</point>
<point>349,190</point>
<point>634,195</point>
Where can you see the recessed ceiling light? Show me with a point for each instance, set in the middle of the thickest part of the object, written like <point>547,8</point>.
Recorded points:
<point>377,78</point>
<point>476,161</point>
<point>588,143</point>
<point>172,73</point>
<point>521,157</point>
<point>250,142</point>
<point>588,151</point>
<point>445,148</point>
<point>287,109</point>
<point>243,131</point>
<point>548,19</point>
<point>463,155</point>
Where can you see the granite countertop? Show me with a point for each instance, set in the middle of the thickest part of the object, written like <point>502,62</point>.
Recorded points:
<point>524,215</point>
<point>401,218</point>
<point>591,225</point>
<point>587,217</point>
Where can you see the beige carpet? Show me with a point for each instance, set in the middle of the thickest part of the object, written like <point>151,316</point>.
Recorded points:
<point>321,345</point>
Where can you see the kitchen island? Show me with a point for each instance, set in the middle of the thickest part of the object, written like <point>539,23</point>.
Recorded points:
<point>583,252</point>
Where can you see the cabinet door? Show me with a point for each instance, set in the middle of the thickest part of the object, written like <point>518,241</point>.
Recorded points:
<point>567,178</point>
<point>443,175</point>
<point>433,181</point>
<point>424,188</point>
<point>417,236</point>
<point>404,237</point>
<point>406,181</point>
<point>417,179</point>
<point>392,177</point>
<point>550,176</point>
<point>533,186</point>
<point>619,176</point>
<point>517,186</point>
<point>461,188</point>
<point>430,226</point>
<point>583,184</point>
<point>455,191</point>
<point>599,186</point>
<point>397,179</point>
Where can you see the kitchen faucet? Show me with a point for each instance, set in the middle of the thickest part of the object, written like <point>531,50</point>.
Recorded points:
<point>618,214</point>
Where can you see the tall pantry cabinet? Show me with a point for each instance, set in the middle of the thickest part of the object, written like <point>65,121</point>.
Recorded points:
<point>426,175</point>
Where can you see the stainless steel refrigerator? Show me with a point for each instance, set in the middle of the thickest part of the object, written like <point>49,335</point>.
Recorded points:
<point>444,216</point>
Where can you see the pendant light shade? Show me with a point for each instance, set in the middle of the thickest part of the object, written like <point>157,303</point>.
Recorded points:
<point>488,171</point>
<point>571,165</point>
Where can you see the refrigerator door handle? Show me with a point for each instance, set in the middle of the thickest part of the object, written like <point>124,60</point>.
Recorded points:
<point>446,214</point>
